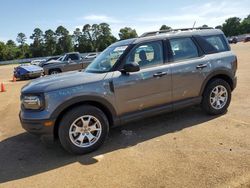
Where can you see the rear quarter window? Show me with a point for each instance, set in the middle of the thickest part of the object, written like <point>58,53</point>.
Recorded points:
<point>218,42</point>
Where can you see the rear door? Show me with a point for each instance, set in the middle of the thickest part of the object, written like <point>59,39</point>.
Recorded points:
<point>189,68</point>
<point>147,88</point>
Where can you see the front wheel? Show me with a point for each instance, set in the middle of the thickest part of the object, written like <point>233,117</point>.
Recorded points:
<point>216,97</point>
<point>83,129</point>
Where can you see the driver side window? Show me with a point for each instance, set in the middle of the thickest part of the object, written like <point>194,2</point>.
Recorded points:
<point>147,54</point>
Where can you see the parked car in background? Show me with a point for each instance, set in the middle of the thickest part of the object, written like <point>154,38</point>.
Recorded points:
<point>49,60</point>
<point>247,39</point>
<point>28,71</point>
<point>91,56</point>
<point>69,62</point>
<point>233,40</point>
<point>132,79</point>
<point>37,61</point>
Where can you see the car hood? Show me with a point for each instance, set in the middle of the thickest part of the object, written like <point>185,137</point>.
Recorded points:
<point>60,81</point>
<point>52,62</point>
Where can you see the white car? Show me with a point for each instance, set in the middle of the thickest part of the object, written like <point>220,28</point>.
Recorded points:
<point>36,62</point>
<point>91,56</point>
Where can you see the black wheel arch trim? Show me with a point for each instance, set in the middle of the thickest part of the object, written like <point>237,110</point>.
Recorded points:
<point>218,73</point>
<point>88,100</point>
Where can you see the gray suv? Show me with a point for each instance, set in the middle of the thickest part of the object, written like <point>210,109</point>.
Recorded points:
<point>132,79</point>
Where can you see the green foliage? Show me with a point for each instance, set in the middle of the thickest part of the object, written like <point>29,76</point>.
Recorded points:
<point>127,33</point>
<point>94,38</point>
<point>204,26</point>
<point>231,27</point>
<point>218,27</point>
<point>90,38</point>
<point>49,42</point>
<point>164,27</point>
<point>37,47</point>
<point>245,25</point>
<point>64,42</point>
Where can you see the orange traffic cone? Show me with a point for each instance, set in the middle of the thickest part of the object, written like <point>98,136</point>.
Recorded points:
<point>2,87</point>
<point>14,78</point>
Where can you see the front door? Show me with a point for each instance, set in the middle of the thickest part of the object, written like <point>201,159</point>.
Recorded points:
<point>149,87</point>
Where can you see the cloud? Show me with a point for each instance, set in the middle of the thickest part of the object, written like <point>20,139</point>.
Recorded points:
<point>100,18</point>
<point>212,13</point>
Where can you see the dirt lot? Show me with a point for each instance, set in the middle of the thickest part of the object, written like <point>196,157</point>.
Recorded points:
<point>182,149</point>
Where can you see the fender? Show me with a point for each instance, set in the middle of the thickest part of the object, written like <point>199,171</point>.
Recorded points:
<point>85,99</point>
<point>216,73</point>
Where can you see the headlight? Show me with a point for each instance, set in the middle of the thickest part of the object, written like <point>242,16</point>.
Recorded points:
<point>32,102</point>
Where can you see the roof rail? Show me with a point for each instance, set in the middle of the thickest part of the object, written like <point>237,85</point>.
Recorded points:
<point>154,33</point>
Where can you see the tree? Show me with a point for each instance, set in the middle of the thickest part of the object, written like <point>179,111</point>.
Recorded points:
<point>50,42</point>
<point>218,27</point>
<point>204,26</point>
<point>37,47</point>
<point>164,27</point>
<point>127,33</point>
<point>231,27</point>
<point>104,38</point>
<point>77,38</point>
<point>21,38</point>
<point>2,47</point>
<point>245,25</point>
<point>11,43</point>
<point>64,42</point>
<point>97,37</point>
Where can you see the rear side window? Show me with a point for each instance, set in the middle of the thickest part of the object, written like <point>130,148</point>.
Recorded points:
<point>218,42</point>
<point>183,48</point>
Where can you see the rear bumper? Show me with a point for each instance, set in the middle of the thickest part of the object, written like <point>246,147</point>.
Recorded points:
<point>37,127</point>
<point>35,74</point>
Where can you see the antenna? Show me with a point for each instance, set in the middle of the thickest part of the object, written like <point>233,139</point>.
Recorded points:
<point>194,24</point>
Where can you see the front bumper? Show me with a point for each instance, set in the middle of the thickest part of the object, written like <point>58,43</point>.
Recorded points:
<point>37,127</point>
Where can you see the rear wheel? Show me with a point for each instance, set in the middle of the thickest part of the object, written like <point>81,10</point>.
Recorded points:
<point>83,129</point>
<point>216,97</point>
<point>54,71</point>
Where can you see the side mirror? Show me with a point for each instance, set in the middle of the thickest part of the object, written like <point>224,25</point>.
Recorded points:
<point>131,67</point>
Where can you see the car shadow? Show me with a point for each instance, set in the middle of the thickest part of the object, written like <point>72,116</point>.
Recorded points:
<point>25,155</point>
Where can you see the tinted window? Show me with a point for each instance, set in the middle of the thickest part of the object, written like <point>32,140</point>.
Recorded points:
<point>205,45</point>
<point>183,48</point>
<point>74,57</point>
<point>217,42</point>
<point>147,55</point>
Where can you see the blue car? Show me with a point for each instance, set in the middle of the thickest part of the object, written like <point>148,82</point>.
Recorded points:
<point>28,71</point>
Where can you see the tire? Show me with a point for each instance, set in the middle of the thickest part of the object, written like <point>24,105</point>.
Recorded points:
<point>75,138</point>
<point>210,99</point>
<point>54,71</point>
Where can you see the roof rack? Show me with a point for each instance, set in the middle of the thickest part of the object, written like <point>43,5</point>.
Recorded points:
<point>154,33</point>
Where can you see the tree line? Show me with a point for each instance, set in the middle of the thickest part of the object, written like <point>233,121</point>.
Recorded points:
<point>90,38</point>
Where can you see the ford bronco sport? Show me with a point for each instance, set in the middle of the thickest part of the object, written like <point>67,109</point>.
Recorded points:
<point>136,78</point>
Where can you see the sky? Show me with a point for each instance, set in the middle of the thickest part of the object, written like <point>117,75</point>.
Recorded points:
<point>143,15</point>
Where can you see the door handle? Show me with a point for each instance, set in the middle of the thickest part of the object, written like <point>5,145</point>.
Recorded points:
<point>160,74</point>
<point>201,66</point>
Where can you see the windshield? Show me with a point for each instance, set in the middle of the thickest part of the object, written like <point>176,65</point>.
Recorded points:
<point>60,58</point>
<point>106,60</point>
